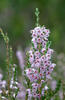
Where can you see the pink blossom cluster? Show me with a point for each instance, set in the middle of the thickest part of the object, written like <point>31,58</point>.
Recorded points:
<point>40,62</point>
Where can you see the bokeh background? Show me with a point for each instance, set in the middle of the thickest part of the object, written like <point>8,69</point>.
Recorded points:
<point>17,18</point>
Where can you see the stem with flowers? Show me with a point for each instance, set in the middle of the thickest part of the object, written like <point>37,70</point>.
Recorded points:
<point>39,66</point>
<point>9,89</point>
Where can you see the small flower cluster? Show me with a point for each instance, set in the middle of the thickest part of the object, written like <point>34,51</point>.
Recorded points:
<point>40,62</point>
<point>13,88</point>
<point>14,83</point>
<point>2,83</point>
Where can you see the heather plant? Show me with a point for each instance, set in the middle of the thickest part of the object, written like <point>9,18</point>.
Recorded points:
<point>36,72</point>
<point>39,65</point>
<point>9,88</point>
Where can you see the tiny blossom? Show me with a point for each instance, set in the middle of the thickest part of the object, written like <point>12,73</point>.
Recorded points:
<point>3,83</point>
<point>7,92</point>
<point>44,44</point>
<point>11,86</point>
<point>40,62</point>
<point>35,85</point>
<point>14,69</point>
<point>43,50</point>
<point>29,92</point>
<point>35,45</point>
<point>37,63</point>
<point>31,58</point>
<point>43,92</point>
<point>37,53</point>
<point>46,88</point>
<point>33,40</point>
<point>39,40</point>
<point>32,65</point>
<point>3,97</point>
<point>14,95</point>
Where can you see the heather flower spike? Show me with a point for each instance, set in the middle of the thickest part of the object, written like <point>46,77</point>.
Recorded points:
<point>9,89</point>
<point>39,64</point>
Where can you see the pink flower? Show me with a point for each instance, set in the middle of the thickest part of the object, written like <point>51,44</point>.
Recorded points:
<point>52,67</point>
<point>31,58</point>
<point>39,40</point>
<point>50,51</point>
<point>46,31</point>
<point>38,30</point>
<point>43,92</point>
<point>29,92</point>
<point>37,63</point>
<point>44,44</point>
<point>37,54</point>
<point>35,85</point>
<point>33,65</point>
<point>34,94</point>
<point>35,45</point>
<point>43,50</point>
<point>34,35</point>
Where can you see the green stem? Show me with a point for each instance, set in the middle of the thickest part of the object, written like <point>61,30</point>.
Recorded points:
<point>11,63</point>
<point>26,98</point>
<point>7,54</point>
<point>37,17</point>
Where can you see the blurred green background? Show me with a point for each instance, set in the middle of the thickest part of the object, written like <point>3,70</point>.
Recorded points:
<point>17,18</point>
